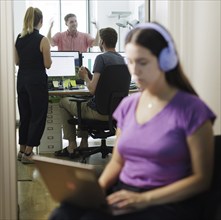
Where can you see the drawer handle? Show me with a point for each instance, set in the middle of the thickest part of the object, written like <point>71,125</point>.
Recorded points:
<point>50,128</point>
<point>50,146</point>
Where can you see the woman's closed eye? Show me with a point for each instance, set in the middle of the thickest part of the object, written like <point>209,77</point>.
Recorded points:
<point>142,62</point>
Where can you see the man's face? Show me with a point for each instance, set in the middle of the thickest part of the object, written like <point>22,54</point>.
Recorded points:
<point>72,23</point>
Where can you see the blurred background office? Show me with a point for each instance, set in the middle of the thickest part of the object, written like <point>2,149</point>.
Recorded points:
<point>195,26</point>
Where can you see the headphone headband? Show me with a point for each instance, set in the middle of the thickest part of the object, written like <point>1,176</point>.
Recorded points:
<point>168,58</point>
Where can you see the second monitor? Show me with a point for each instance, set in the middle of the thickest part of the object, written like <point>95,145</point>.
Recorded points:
<point>88,59</point>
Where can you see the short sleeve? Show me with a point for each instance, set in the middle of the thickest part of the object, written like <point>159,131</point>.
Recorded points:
<point>118,115</point>
<point>126,109</point>
<point>98,64</point>
<point>195,115</point>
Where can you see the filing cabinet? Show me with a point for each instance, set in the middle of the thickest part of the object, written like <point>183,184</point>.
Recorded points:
<point>52,138</point>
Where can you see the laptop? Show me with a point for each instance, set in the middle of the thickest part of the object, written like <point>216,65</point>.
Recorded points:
<point>74,182</point>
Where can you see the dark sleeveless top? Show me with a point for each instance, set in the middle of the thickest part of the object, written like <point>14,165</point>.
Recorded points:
<point>28,48</point>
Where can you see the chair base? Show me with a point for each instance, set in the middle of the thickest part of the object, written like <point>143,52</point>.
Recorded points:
<point>103,149</point>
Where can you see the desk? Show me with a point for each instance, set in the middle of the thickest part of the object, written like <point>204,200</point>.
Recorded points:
<point>67,92</point>
<point>84,91</point>
<point>52,138</point>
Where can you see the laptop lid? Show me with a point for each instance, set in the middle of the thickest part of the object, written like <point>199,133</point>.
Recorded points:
<point>71,181</point>
<point>76,183</point>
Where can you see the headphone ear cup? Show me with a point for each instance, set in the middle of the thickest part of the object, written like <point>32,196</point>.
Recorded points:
<point>168,59</point>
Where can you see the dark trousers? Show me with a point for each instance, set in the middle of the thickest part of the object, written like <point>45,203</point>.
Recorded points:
<point>32,92</point>
<point>186,210</point>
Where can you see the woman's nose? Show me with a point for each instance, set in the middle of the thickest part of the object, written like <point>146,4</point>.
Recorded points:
<point>135,69</point>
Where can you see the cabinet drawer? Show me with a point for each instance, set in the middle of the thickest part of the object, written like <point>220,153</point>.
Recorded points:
<point>47,137</point>
<point>53,120</point>
<point>50,147</point>
<point>52,128</point>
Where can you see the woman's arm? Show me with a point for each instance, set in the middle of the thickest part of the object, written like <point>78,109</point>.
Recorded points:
<point>45,49</point>
<point>201,150</point>
<point>112,170</point>
<point>16,56</point>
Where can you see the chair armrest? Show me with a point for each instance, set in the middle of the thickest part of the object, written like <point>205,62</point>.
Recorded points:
<point>79,101</point>
<point>82,96</point>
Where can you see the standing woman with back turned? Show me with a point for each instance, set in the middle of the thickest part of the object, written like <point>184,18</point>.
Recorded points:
<point>32,55</point>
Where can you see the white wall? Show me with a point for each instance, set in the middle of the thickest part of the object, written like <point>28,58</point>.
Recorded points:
<point>8,182</point>
<point>196,27</point>
<point>206,54</point>
<point>19,9</point>
<point>101,10</point>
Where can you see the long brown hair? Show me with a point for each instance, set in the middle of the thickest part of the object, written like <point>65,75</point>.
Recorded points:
<point>154,41</point>
<point>32,18</point>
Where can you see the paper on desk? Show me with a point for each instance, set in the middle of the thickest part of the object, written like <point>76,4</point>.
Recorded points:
<point>68,83</point>
<point>55,84</point>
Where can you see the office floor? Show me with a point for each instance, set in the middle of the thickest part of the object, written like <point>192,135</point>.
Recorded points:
<point>34,200</point>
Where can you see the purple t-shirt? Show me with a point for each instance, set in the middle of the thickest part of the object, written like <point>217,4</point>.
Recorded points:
<point>156,152</point>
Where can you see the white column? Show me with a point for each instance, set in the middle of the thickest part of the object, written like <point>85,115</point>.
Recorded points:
<point>196,28</point>
<point>8,182</point>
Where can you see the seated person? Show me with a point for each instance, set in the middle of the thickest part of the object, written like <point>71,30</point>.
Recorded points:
<point>108,40</point>
<point>163,156</point>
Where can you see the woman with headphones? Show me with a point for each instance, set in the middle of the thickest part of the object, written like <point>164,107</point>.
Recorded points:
<point>162,161</point>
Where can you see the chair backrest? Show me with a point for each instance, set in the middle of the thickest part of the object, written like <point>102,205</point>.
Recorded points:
<point>112,86</point>
<point>216,182</point>
<point>212,206</point>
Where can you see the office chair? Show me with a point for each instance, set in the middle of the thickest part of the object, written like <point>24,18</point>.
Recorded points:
<point>212,209</point>
<point>112,87</point>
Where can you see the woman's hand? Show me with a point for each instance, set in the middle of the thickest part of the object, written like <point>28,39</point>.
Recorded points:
<point>127,199</point>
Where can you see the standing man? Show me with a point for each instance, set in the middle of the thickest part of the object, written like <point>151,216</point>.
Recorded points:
<point>72,39</point>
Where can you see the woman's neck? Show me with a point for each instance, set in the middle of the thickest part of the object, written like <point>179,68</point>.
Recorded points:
<point>163,93</point>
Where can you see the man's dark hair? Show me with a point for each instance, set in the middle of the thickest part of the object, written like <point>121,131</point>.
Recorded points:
<point>69,16</point>
<point>109,36</point>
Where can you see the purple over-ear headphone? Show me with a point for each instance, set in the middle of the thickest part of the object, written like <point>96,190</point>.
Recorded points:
<point>168,58</point>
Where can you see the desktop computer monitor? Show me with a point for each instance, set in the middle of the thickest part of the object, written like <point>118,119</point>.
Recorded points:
<point>88,59</point>
<point>64,63</point>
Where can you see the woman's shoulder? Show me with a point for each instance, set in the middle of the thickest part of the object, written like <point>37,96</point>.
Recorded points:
<point>191,108</point>
<point>127,106</point>
<point>130,100</point>
<point>187,104</point>
<point>132,97</point>
<point>187,99</point>
<point>45,42</point>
